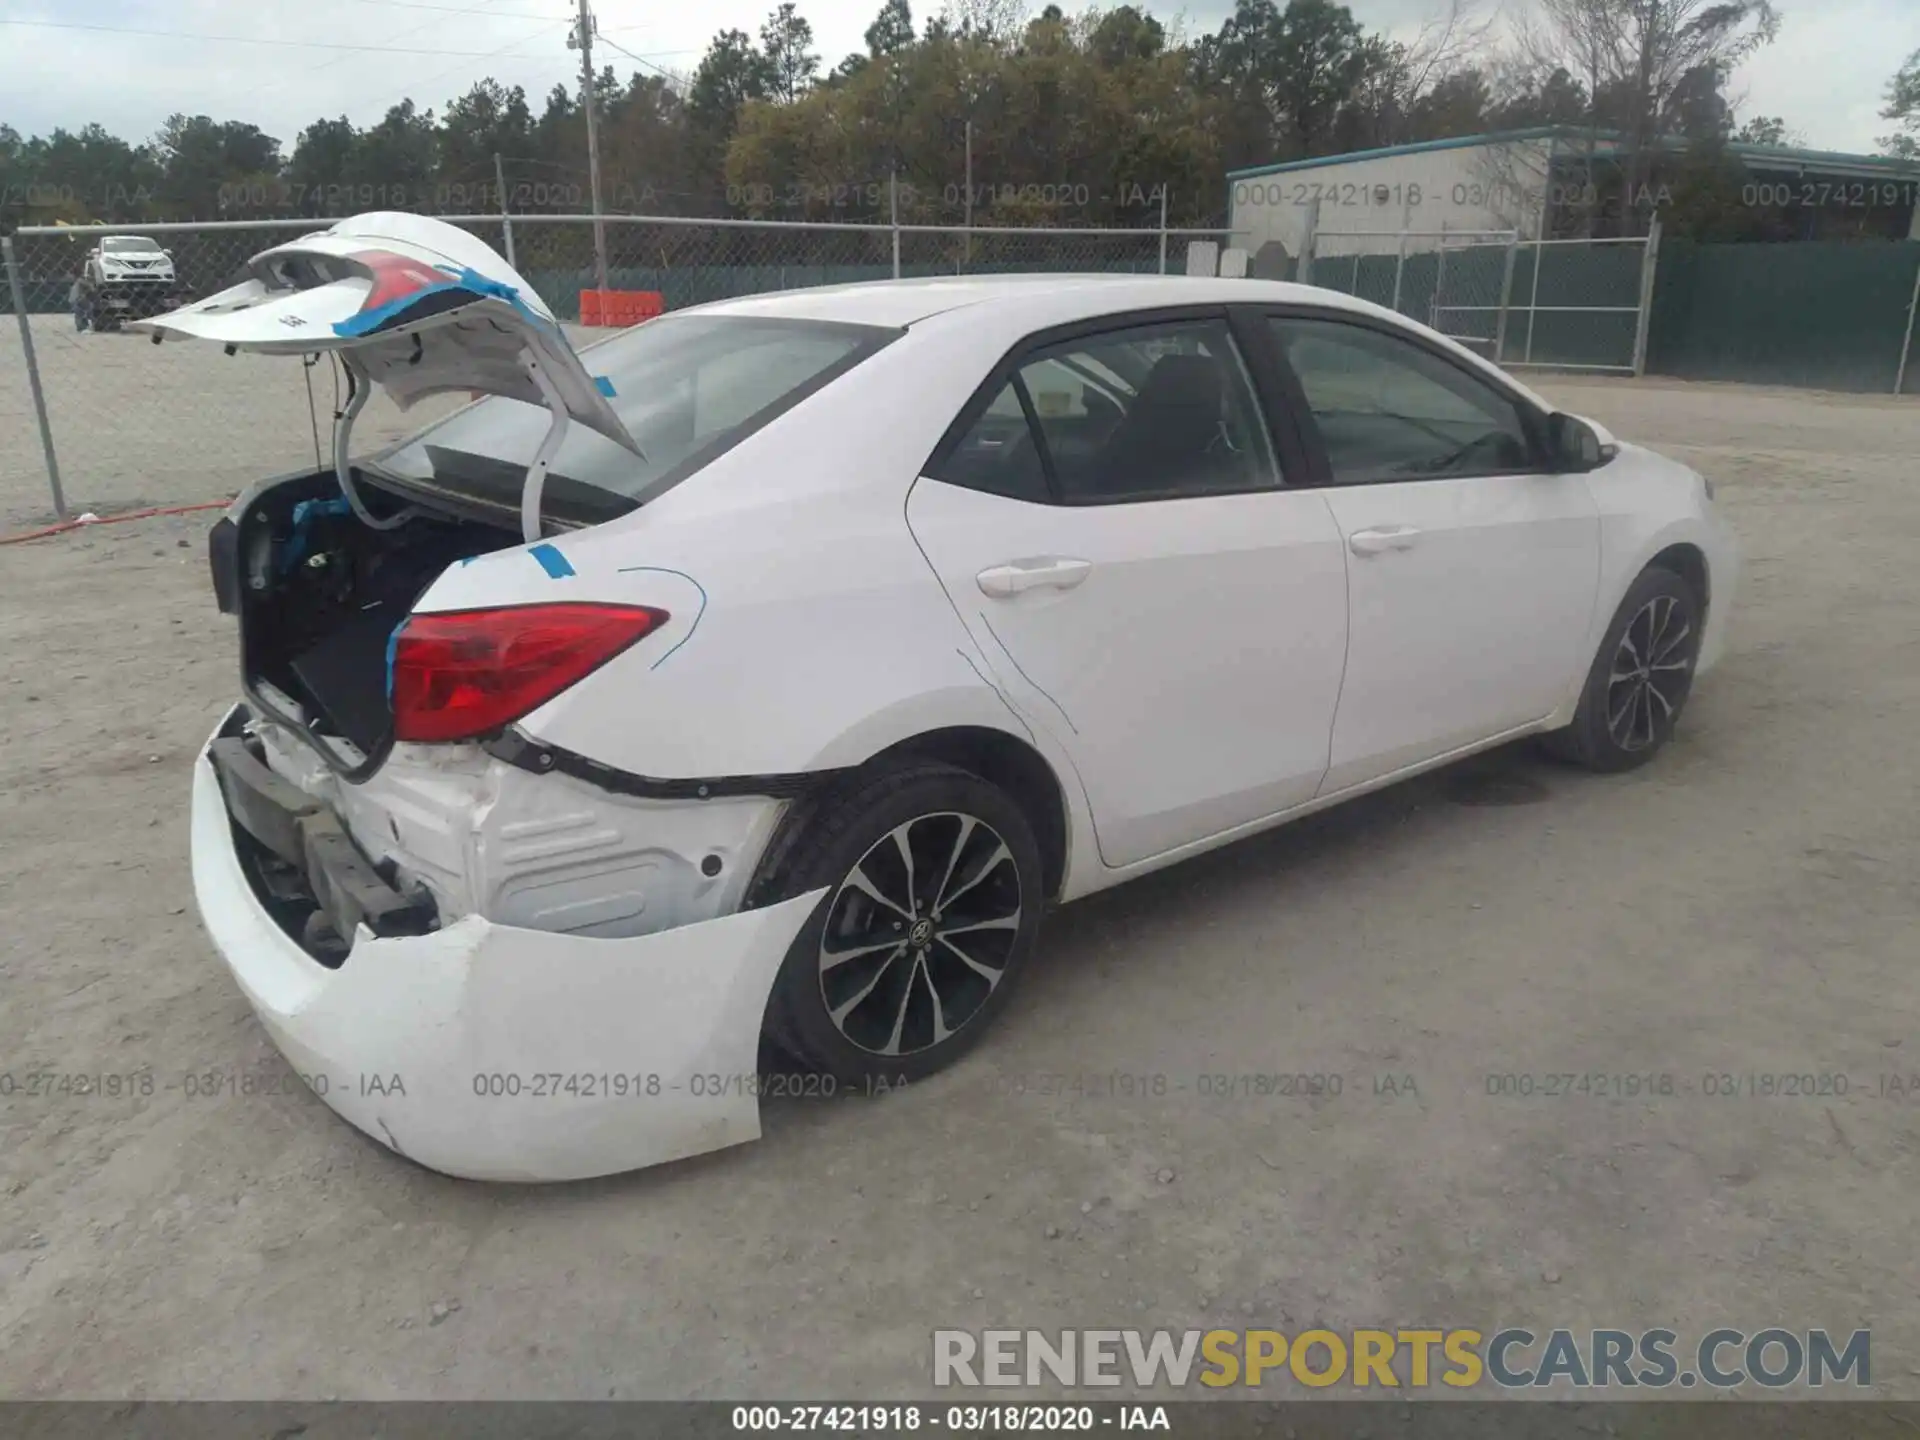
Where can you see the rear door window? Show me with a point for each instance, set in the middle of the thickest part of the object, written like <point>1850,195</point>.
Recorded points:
<point>1142,412</point>
<point>997,455</point>
<point>1149,411</point>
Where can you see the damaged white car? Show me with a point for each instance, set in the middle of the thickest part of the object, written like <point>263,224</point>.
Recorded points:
<point>768,670</point>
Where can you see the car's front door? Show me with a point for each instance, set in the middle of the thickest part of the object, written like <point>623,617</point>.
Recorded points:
<point>1472,569</point>
<point>1109,523</point>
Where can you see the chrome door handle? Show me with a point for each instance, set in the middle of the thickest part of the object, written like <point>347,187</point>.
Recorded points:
<point>1387,537</point>
<point>1052,571</point>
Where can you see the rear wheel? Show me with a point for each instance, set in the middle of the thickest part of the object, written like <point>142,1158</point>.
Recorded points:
<point>934,891</point>
<point>1640,679</point>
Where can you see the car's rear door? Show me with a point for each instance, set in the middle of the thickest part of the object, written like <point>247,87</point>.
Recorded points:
<point>1472,567</point>
<point>1108,519</point>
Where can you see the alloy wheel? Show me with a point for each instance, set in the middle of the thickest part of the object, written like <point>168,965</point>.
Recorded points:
<point>1652,667</point>
<point>919,933</point>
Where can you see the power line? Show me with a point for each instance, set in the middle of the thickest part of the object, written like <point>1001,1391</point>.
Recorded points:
<point>401,35</point>
<point>455,10</point>
<point>542,32</point>
<point>257,40</point>
<point>641,59</point>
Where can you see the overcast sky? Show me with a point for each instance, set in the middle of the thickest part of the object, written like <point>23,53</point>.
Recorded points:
<point>1825,75</point>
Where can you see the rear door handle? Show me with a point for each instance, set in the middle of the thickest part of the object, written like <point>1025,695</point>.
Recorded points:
<point>1057,572</point>
<point>1386,537</point>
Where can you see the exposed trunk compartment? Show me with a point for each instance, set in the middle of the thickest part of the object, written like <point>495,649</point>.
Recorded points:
<point>319,595</point>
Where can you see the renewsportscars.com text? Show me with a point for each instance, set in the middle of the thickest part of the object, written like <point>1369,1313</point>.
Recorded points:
<point>1508,1359</point>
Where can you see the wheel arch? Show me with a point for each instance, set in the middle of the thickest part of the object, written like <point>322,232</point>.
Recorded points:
<point>997,756</point>
<point>1628,549</point>
<point>1689,562</point>
<point>1003,759</point>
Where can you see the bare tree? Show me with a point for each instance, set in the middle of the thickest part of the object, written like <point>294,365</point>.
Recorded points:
<point>1444,46</point>
<point>1585,39</point>
<point>1903,105</point>
<point>1635,56</point>
<point>1396,76</point>
<point>992,19</point>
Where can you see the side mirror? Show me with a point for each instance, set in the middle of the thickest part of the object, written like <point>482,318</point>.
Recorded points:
<point>1575,446</point>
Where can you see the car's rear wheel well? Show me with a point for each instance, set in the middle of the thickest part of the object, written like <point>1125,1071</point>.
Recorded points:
<point>1690,565</point>
<point>994,756</point>
<point>1013,765</point>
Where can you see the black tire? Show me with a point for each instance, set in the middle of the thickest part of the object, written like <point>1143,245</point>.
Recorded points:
<point>1628,710</point>
<point>835,1018</point>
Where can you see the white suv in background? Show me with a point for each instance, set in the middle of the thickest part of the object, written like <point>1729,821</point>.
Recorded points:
<point>126,277</point>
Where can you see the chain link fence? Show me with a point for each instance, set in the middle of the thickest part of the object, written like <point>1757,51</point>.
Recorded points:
<point>1549,304</point>
<point>131,424</point>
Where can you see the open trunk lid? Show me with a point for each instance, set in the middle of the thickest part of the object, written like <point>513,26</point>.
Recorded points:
<point>416,306</point>
<point>425,307</point>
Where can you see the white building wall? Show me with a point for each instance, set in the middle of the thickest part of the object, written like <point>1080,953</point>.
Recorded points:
<point>1490,186</point>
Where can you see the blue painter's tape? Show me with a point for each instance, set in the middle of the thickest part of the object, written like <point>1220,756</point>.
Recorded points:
<point>604,386</point>
<point>551,561</point>
<point>393,644</point>
<point>370,320</point>
<point>469,280</point>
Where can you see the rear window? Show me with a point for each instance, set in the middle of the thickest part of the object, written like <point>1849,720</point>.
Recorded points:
<point>687,387</point>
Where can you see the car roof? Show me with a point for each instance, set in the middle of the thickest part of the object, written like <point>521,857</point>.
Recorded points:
<point>906,302</point>
<point>1007,306</point>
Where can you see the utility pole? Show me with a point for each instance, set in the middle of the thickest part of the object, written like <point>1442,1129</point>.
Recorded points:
<point>969,222</point>
<point>506,215</point>
<point>582,40</point>
<point>893,212</point>
<point>1163,228</point>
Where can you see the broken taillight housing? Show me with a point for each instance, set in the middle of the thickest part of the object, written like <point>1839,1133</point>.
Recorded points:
<point>463,673</point>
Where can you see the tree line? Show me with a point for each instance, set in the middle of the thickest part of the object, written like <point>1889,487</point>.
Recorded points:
<point>1081,119</point>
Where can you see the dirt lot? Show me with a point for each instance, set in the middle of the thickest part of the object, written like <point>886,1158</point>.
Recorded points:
<point>1746,906</point>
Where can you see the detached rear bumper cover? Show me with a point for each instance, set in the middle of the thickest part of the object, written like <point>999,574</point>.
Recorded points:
<point>496,1053</point>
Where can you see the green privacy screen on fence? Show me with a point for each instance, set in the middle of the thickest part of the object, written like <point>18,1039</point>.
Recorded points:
<point>1831,314</point>
<point>1580,311</point>
<point>1828,314</point>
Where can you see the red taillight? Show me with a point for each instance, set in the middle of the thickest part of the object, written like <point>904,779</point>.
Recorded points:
<point>463,673</point>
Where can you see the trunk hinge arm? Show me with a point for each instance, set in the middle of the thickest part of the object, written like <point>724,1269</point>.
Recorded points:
<point>536,482</point>
<point>359,391</point>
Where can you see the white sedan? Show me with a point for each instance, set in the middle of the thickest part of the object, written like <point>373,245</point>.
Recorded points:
<point>766,672</point>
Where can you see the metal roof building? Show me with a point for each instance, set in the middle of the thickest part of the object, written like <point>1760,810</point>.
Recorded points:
<point>1536,183</point>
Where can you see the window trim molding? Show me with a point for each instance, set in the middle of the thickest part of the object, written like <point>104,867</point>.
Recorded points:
<point>1007,371</point>
<point>1036,433</point>
<point>1318,468</point>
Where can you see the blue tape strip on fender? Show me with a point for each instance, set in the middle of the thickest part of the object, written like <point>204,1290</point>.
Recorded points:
<point>551,561</point>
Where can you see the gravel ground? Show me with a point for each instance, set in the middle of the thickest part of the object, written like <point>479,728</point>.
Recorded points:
<point>1747,905</point>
